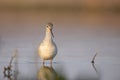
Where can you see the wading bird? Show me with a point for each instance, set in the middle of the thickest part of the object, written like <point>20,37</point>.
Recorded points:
<point>48,49</point>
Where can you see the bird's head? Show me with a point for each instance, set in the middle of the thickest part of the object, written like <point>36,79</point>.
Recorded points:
<point>50,28</point>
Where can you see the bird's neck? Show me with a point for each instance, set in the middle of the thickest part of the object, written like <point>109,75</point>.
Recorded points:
<point>48,35</point>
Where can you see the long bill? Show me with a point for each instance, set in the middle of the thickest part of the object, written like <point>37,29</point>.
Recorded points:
<point>52,33</point>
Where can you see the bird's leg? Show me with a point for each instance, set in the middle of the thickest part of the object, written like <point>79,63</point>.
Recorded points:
<point>51,62</point>
<point>43,62</point>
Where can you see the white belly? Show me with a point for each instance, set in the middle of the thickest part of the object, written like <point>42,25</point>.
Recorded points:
<point>47,51</point>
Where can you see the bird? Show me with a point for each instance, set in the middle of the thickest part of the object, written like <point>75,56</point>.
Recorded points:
<point>47,49</point>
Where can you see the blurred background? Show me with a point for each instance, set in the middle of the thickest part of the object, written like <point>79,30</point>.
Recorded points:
<point>81,27</point>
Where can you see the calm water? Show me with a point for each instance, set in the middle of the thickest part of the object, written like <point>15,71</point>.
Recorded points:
<point>65,69</point>
<point>78,35</point>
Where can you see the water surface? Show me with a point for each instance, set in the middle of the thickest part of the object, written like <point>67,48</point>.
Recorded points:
<point>78,35</point>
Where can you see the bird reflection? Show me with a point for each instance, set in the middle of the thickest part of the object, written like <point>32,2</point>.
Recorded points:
<point>46,73</point>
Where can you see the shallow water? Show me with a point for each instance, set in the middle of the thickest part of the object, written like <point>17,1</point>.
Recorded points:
<point>78,35</point>
<point>104,68</point>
